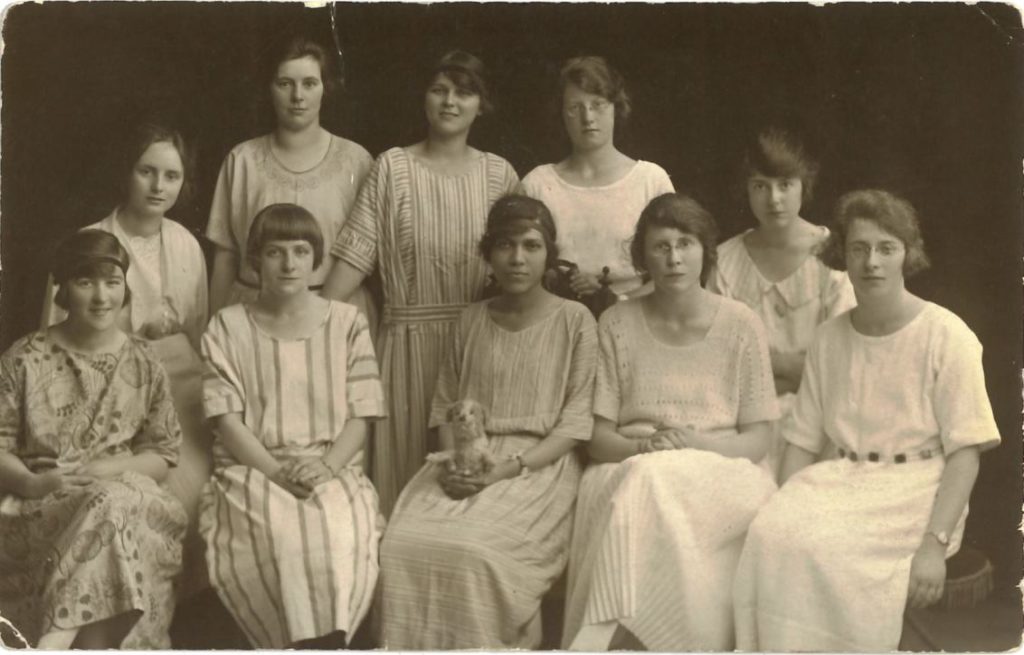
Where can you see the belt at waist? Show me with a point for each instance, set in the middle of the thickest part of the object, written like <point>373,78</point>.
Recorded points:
<point>250,285</point>
<point>422,313</point>
<point>898,458</point>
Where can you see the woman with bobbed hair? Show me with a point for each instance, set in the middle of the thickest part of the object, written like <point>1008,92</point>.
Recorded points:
<point>773,268</point>
<point>467,558</point>
<point>896,385</point>
<point>90,542</point>
<point>682,409</point>
<point>299,162</point>
<point>597,192</point>
<point>418,220</point>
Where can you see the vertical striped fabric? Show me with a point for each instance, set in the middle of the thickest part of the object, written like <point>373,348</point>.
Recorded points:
<point>290,569</point>
<point>421,228</point>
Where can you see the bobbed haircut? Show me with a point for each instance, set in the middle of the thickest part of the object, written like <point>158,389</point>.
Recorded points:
<point>890,212</point>
<point>775,151</point>
<point>685,214</point>
<point>283,222</point>
<point>466,71</point>
<point>514,214</point>
<point>87,253</point>
<point>297,47</point>
<point>595,75</point>
<point>140,138</point>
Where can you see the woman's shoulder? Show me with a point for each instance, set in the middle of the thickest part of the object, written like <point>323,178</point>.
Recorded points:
<point>945,323</point>
<point>229,319</point>
<point>542,174</point>
<point>179,231</point>
<point>35,343</point>
<point>249,147</point>
<point>650,170</point>
<point>621,315</point>
<point>732,251</point>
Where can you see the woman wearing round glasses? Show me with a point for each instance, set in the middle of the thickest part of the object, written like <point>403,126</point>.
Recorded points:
<point>596,193</point>
<point>896,384</point>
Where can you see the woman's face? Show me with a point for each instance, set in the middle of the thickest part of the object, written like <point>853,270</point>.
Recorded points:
<point>874,259</point>
<point>673,258</point>
<point>286,266</point>
<point>775,201</point>
<point>519,261</point>
<point>450,109</point>
<point>589,119</point>
<point>296,92</point>
<point>155,181</point>
<point>94,301</point>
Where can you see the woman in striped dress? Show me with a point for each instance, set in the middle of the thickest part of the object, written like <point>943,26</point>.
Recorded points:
<point>683,403</point>
<point>418,219</point>
<point>466,559</point>
<point>290,521</point>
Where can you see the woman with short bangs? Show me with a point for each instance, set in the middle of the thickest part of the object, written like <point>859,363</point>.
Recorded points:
<point>683,405</point>
<point>896,385</point>
<point>290,520</point>
<point>418,219</point>
<point>299,162</point>
<point>597,192</point>
<point>467,558</point>
<point>90,543</point>
<point>774,269</point>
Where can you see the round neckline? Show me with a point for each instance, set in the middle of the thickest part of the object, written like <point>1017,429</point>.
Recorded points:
<point>655,339</point>
<point>481,157</point>
<point>138,237</point>
<point>318,164</point>
<point>48,336</point>
<point>312,332</point>
<point>557,307</point>
<point>761,276</point>
<point>632,170</point>
<point>884,337</point>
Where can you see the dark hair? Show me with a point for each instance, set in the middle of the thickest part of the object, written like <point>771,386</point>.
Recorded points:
<point>684,214</point>
<point>301,46</point>
<point>595,75</point>
<point>890,212</point>
<point>140,138</point>
<point>284,222</point>
<point>87,253</point>
<point>778,152</point>
<point>466,71</point>
<point>514,214</point>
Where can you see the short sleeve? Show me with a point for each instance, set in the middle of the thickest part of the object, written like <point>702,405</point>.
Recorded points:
<point>662,183</point>
<point>160,432</point>
<point>757,401</point>
<point>223,392</point>
<point>363,391</point>
<point>447,389</point>
<point>12,393</point>
<point>218,229</point>
<point>576,420</point>
<point>356,244</point>
<point>960,400</point>
<point>607,387</point>
<point>805,424</point>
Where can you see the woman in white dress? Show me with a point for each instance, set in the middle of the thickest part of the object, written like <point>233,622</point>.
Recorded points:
<point>290,520</point>
<point>683,405</point>
<point>597,192</point>
<point>896,385</point>
<point>773,268</point>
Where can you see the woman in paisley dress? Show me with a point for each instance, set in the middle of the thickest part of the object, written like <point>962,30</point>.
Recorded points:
<point>89,540</point>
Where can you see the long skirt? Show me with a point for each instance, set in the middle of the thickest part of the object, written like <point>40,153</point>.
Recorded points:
<point>827,561</point>
<point>655,545</point>
<point>471,573</point>
<point>290,569</point>
<point>85,554</point>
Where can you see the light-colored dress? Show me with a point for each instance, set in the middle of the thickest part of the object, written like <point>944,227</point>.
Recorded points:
<point>471,573</point>
<point>657,536</point>
<point>251,178</point>
<point>827,562</point>
<point>790,309</point>
<point>167,279</point>
<point>596,224</point>
<point>290,569</point>
<point>421,228</point>
<point>84,554</point>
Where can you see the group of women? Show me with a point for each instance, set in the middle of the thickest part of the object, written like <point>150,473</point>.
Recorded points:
<point>643,454</point>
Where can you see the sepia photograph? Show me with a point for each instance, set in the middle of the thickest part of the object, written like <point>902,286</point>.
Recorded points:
<point>433,326</point>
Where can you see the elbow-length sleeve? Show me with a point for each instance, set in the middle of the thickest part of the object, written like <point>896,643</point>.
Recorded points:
<point>218,229</point>
<point>607,386</point>
<point>576,420</point>
<point>11,393</point>
<point>805,425</point>
<point>447,389</point>
<point>223,391</point>
<point>757,400</point>
<point>160,432</point>
<point>356,244</point>
<point>960,400</point>
<point>363,390</point>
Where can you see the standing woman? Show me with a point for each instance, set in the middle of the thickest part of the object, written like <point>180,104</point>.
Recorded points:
<point>290,520</point>
<point>896,385</point>
<point>90,543</point>
<point>597,192</point>
<point>466,560</point>
<point>299,162</point>
<point>419,218</point>
<point>167,278</point>
<point>774,269</point>
<point>682,403</point>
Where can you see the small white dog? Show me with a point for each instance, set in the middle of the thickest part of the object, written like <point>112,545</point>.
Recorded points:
<point>471,456</point>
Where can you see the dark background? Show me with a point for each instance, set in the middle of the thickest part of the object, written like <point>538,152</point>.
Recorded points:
<point>922,99</point>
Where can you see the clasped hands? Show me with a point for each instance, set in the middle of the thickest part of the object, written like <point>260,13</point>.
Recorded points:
<point>301,475</point>
<point>667,438</point>
<point>48,477</point>
<point>458,486</point>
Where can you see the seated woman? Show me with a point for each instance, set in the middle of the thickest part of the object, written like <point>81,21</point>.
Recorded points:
<point>896,384</point>
<point>772,268</point>
<point>89,541</point>
<point>683,405</point>
<point>290,521</point>
<point>466,559</point>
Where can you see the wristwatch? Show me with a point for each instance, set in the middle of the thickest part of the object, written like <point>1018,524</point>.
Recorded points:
<point>940,536</point>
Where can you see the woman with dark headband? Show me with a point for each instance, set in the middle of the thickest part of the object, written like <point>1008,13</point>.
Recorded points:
<point>90,543</point>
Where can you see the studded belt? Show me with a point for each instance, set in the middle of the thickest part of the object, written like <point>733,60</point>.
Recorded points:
<point>898,458</point>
